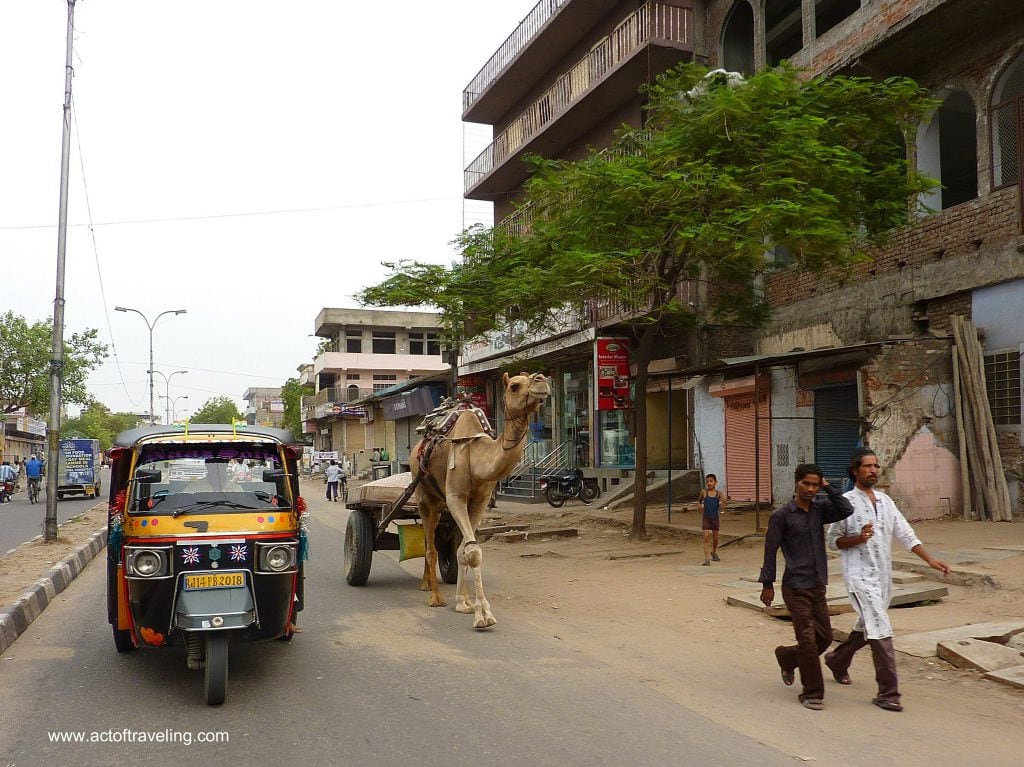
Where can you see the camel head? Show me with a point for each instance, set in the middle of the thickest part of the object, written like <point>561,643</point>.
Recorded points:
<point>524,393</point>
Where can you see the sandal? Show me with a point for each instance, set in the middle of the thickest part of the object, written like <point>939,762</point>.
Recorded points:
<point>813,704</point>
<point>888,705</point>
<point>788,677</point>
<point>840,678</point>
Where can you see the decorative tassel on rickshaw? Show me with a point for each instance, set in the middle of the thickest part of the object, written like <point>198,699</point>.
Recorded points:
<point>300,506</point>
<point>116,534</point>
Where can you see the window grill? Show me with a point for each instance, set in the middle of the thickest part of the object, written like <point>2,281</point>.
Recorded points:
<point>1002,383</point>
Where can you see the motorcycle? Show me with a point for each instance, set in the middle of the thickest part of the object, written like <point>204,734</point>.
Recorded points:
<point>558,487</point>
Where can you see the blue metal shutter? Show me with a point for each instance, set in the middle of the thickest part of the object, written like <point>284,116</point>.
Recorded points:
<point>836,430</point>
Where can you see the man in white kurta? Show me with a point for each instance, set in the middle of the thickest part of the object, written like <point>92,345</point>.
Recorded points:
<point>865,540</point>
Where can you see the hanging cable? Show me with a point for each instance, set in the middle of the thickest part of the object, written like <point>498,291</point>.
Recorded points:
<point>96,255</point>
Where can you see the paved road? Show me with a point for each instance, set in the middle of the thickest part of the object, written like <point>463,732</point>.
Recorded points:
<point>21,521</point>
<point>376,678</point>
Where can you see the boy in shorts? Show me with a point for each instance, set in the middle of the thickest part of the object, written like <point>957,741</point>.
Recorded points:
<point>712,500</point>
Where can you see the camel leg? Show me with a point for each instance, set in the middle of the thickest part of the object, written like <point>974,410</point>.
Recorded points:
<point>430,513</point>
<point>471,557</point>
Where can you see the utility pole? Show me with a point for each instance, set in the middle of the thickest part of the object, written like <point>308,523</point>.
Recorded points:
<point>57,351</point>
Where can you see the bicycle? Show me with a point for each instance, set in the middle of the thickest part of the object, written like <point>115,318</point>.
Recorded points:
<point>33,489</point>
<point>344,490</point>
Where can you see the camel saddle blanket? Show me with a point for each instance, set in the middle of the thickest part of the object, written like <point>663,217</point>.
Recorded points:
<point>440,422</point>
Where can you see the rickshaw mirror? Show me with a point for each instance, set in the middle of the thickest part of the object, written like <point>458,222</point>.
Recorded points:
<point>273,475</point>
<point>148,476</point>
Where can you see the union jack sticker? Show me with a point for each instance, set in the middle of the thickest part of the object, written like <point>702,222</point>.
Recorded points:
<point>190,556</point>
<point>237,553</point>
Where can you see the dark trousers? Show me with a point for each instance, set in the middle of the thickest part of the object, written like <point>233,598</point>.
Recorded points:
<point>813,636</point>
<point>882,653</point>
<point>332,491</point>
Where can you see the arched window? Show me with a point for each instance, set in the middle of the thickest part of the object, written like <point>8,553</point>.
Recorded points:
<point>828,13</point>
<point>947,149</point>
<point>738,39</point>
<point>1007,121</point>
<point>353,392</point>
<point>783,29</point>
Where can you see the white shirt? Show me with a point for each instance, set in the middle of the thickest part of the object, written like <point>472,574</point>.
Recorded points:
<point>333,472</point>
<point>867,567</point>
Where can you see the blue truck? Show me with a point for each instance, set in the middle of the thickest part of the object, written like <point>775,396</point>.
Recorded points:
<point>79,468</point>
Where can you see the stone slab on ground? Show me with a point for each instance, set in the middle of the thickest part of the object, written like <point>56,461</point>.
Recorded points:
<point>1009,547</point>
<point>839,601</point>
<point>978,654</point>
<point>560,532</point>
<point>904,578</point>
<point>1014,677</point>
<point>924,644</point>
<point>716,571</point>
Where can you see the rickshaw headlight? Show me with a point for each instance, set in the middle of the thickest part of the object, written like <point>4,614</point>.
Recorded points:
<point>277,559</point>
<point>147,563</point>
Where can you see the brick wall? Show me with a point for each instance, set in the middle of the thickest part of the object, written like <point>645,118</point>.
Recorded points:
<point>940,311</point>
<point>953,232</point>
<point>718,341</point>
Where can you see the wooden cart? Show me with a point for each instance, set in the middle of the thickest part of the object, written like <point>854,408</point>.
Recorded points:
<point>373,509</point>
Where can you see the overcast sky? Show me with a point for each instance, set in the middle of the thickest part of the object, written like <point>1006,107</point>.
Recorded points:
<point>249,161</point>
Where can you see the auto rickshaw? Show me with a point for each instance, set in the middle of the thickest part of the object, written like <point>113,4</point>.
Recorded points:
<point>206,541</point>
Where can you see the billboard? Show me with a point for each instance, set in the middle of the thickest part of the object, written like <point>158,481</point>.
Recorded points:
<point>611,365</point>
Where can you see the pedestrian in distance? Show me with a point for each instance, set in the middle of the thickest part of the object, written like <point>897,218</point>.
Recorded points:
<point>712,501</point>
<point>333,475</point>
<point>798,528</point>
<point>864,541</point>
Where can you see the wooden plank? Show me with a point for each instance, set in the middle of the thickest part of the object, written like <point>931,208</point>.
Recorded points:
<point>1004,509</point>
<point>965,480</point>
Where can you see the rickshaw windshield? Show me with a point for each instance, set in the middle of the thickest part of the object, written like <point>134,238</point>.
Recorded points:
<point>177,479</point>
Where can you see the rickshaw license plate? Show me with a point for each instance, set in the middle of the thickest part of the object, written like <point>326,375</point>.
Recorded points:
<point>215,581</point>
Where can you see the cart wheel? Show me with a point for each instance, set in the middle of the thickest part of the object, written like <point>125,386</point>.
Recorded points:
<point>359,535</point>
<point>447,540</point>
<point>216,677</point>
<point>123,640</point>
<point>554,497</point>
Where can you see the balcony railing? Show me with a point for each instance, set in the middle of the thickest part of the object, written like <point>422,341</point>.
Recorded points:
<point>653,21</point>
<point>509,49</point>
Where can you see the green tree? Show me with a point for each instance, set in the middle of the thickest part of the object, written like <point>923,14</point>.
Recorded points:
<point>217,410</point>
<point>97,422</point>
<point>25,364</point>
<point>720,174</point>
<point>292,393</point>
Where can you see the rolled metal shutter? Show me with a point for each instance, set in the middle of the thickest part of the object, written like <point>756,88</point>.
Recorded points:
<point>739,448</point>
<point>836,430</point>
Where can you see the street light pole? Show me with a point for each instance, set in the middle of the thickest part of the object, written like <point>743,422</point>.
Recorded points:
<point>172,406</point>
<point>167,388</point>
<point>150,325</point>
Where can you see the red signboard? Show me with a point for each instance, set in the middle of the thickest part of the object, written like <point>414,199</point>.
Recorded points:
<point>476,387</point>
<point>612,368</point>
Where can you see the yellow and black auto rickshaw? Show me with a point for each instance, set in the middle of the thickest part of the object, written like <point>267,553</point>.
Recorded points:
<point>206,541</point>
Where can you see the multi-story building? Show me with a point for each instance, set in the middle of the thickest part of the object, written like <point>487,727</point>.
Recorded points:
<point>366,351</point>
<point>560,86</point>
<point>264,406</point>
<point>863,360</point>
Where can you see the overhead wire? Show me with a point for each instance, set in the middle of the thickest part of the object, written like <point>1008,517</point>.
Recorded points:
<point>96,253</point>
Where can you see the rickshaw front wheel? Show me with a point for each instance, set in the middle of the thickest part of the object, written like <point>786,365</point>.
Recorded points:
<point>123,640</point>
<point>216,668</point>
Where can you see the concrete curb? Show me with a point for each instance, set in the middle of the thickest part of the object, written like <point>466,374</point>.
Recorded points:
<point>16,617</point>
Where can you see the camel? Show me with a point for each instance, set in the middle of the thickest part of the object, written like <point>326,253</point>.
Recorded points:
<point>461,473</point>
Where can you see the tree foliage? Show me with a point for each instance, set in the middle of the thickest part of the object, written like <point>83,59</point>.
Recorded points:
<point>720,174</point>
<point>292,393</point>
<point>217,410</point>
<point>25,364</point>
<point>97,422</point>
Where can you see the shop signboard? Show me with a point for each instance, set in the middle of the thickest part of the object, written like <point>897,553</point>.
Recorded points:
<point>612,379</point>
<point>476,387</point>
